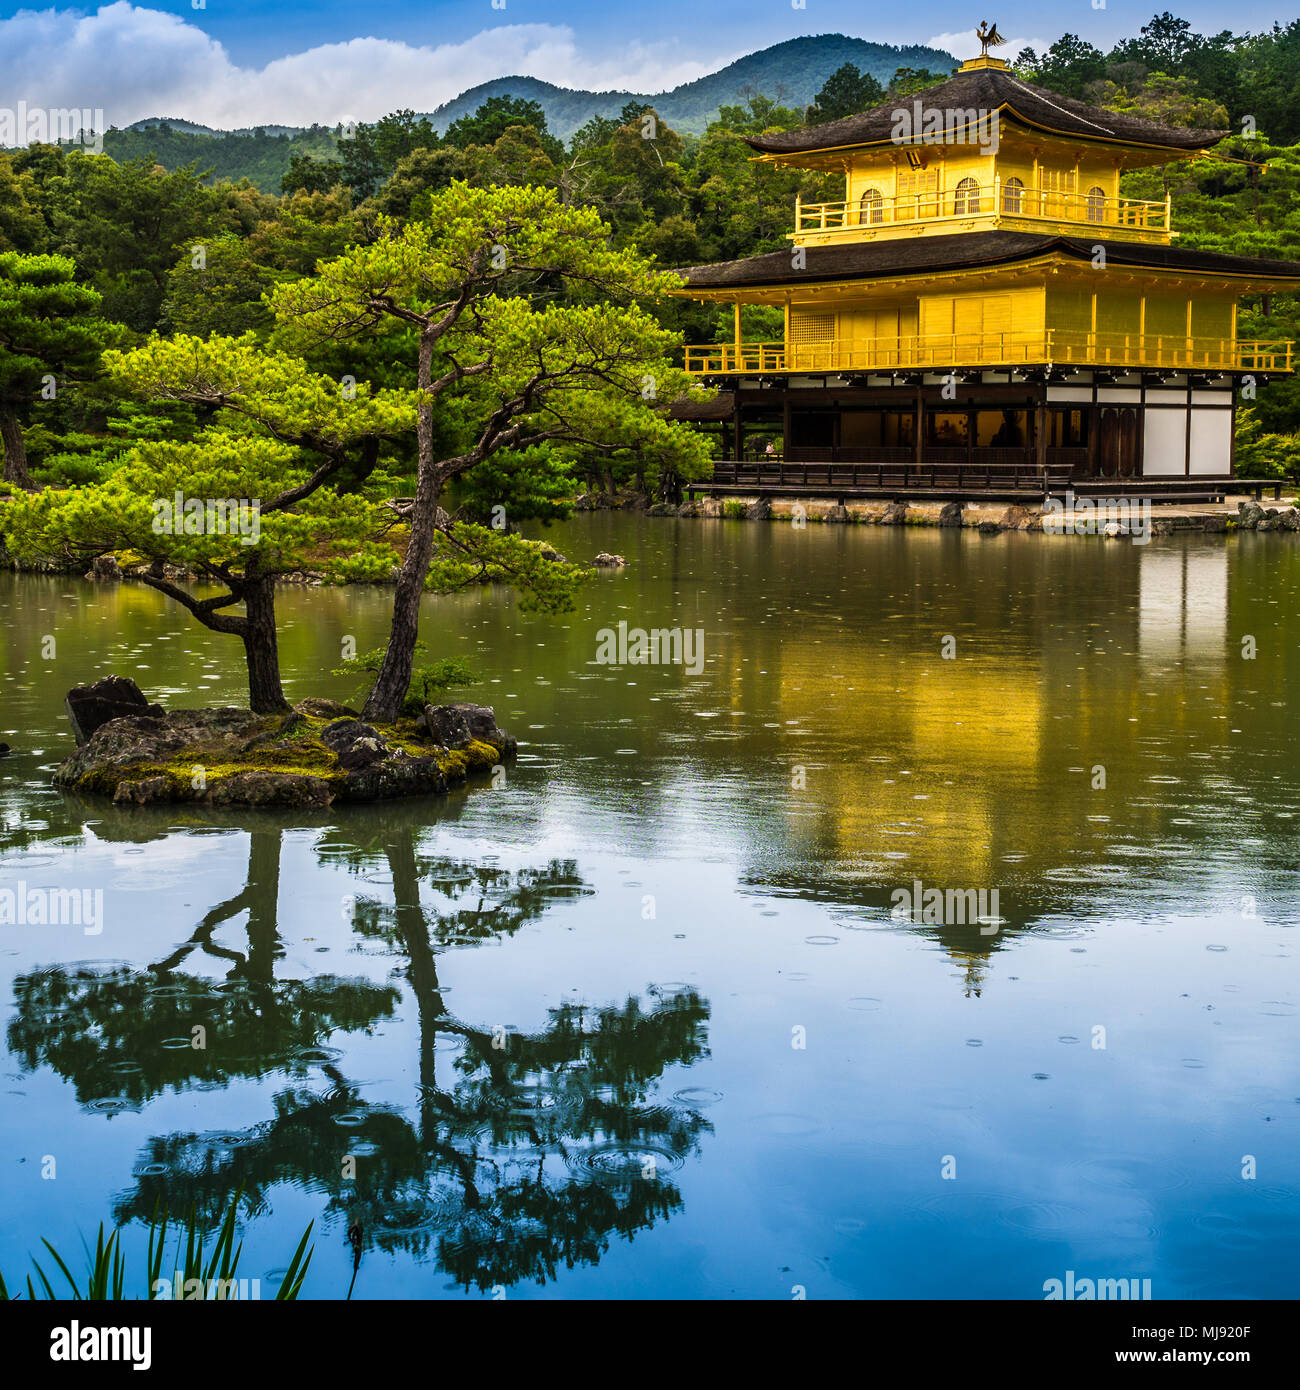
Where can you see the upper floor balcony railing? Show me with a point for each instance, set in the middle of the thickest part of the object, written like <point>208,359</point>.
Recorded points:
<point>941,351</point>
<point>1000,203</point>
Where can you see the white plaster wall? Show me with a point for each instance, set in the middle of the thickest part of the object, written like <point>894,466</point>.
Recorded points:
<point>1164,442</point>
<point>1211,441</point>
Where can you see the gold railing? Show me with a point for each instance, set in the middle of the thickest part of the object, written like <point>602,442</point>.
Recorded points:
<point>998,199</point>
<point>943,350</point>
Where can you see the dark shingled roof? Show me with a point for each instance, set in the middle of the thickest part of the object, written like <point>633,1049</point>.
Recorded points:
<point>870,260</point>
<point>989,89</point>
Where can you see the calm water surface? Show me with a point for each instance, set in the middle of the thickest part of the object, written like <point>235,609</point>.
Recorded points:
<point>639,1022</point>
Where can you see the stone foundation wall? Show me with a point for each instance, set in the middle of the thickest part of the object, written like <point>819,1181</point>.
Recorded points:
<point>986,517</point>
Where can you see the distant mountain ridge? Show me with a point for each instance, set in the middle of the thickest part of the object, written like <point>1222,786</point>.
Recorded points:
<point>795,71</point>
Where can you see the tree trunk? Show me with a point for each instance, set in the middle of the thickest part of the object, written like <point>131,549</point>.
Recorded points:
<point>384,703</point>
<point>11,432</point>
<point>265,694</point>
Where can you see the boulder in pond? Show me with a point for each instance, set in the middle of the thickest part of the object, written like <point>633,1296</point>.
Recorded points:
<point>607,561</point>
<point>990,528</point>
<point>456,726</point>
<point>895,514</point>
<point>1249,515</point>
<point>111,697</point>
<point>105,567</point>
<point>759,511</point>
<point>950,513</point>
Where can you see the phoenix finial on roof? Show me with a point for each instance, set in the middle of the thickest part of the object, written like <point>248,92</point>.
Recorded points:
<point>988,36</point>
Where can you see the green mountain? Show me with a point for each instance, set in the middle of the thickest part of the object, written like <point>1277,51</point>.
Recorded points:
<point>793,72</point>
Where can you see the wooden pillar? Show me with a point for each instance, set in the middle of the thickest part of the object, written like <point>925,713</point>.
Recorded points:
<point>736,308</point>
<point>785,424</point>
<point>1040,432</point>
<point>919,429</point>
<point>736,440</point>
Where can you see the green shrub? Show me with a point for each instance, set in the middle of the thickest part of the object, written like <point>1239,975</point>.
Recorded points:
<point>427,682</point>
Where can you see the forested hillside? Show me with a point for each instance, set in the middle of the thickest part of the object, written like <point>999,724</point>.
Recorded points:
<point>260,156</point>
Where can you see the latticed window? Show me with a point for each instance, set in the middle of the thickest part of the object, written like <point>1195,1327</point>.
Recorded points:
<point>1013,194</point>
<point>872,206</point>
<point>811,328</point>
<point>812,341</point>
<point>1096,205</point>
<point>966,197</point>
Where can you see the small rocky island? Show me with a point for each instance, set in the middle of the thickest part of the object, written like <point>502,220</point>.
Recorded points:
<point>316,754</point>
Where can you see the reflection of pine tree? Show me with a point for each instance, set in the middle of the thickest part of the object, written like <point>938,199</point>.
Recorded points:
<point>522,1158</point>
<point>117,1033</point>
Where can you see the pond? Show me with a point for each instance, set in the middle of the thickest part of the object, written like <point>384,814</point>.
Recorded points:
<point>645,1018</point>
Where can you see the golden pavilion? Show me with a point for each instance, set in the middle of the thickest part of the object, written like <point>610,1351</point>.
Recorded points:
<point>984,313</point>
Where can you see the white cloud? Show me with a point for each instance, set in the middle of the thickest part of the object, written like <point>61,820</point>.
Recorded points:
<point>132,62</point>
<point>966,45</point>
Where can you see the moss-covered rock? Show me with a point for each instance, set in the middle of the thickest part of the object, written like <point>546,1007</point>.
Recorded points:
<point>232,757</point>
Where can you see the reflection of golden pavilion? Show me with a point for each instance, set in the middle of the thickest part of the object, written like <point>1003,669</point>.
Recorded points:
<point>1183,603</point>
<point>972,728</point>
<point>978,770</point>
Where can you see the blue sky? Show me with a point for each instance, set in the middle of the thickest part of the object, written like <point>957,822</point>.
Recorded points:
<point>258,32</point>
<point>239,63</point>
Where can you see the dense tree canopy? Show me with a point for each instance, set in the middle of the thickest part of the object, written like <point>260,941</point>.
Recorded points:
<point>50,330</point>
<point>846,91</point>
